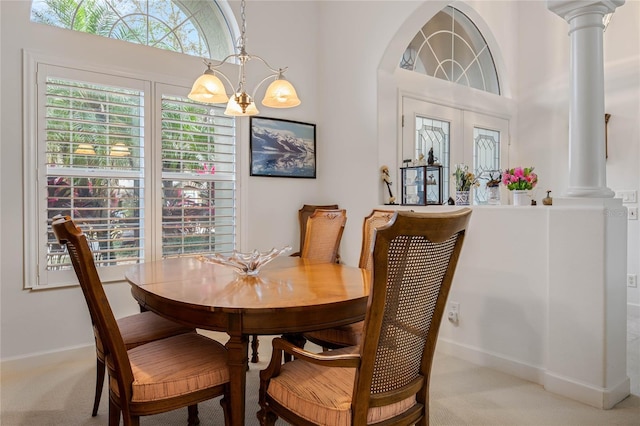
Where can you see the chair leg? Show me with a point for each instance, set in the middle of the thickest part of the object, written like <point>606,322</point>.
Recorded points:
<point>100,370</point>
<point>295,338</point>
<point>254,349</point>
<point>224,402</point>
<point>193,419</point>
<point>266,417</point>
<point>114,414</point>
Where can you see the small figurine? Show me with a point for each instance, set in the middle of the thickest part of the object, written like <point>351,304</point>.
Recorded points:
<point>387,180</point>
<point>430,158</point>
<point>421,161</point>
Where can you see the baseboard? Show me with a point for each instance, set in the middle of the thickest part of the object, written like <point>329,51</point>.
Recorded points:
<point>602,398</point>
<point>47,359</point>
<point>494,361</point>
<point>597,397</point>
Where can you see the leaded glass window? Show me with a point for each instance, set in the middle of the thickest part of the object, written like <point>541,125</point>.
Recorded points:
<point>486,160</point>
<point>450,47</point>
<point>433,134</point>
<point>193,27</point>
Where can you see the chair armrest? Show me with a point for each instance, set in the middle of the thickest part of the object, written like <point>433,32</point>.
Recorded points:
<point>327,360</point>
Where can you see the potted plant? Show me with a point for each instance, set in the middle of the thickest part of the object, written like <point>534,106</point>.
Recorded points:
<point>465,179</point>
<point>519,180</point>
<point>493,187</point>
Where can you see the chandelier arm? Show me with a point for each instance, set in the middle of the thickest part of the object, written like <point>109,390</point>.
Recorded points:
<point>275,74</point>
<point>266,64</point>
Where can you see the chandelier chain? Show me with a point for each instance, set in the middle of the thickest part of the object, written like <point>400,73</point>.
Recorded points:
<point>243,31</point>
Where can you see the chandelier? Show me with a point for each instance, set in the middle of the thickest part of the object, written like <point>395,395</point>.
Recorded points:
<point>209,88</point>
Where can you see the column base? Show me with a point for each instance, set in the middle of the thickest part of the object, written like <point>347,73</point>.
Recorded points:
<point>601,192</point>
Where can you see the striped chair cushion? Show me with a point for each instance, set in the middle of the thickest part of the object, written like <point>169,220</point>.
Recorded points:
<point>323,395</point>
<point>174,366</point>
<point>142,328</point>
<point>346,335</point>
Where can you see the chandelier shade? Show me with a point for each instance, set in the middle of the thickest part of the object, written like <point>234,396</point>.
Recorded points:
<point>209,88</point>
<point>85,149</point>
<point>281,94</point>
<point>119,150</point>
<point>234,108</point>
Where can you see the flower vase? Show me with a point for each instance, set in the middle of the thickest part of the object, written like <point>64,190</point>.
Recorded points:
<point>521,197</point>
<point>462,198</point>
<point>493,197</point>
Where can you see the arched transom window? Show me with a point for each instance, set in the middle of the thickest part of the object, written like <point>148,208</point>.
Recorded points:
<point>451,47</point>
<point>193,27</point>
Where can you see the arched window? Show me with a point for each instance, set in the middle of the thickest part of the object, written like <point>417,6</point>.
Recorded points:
<point>451,47</point>
<point>197,28</point>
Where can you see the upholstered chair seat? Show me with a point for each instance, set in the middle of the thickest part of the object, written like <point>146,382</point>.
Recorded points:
<point>195,363</point>
<point>322,395</point>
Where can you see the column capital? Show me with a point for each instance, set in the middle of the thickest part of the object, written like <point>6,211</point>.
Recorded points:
<point>568,9</point>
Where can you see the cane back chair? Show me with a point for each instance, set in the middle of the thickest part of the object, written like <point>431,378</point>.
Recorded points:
<point>386,379</point>
<point>156,377</point>
<point>351,334</point>
<point>304,213</point>
<point>323,235</point>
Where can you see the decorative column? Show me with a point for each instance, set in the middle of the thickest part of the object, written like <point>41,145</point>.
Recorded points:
<point>587,168</point>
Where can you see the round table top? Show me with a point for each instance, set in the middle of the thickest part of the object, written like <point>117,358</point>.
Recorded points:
<point>289,294</point>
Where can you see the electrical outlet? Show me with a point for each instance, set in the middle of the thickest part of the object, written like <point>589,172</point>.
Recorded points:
<point>632,213</point>
<point>628,196</point>
<point>632,280</point>
<point>453,312</point>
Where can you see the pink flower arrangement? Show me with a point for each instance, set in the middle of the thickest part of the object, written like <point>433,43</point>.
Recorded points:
<point>519,178</point>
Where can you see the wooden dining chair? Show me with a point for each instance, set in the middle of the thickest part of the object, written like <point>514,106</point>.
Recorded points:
<point>136,330</point>
<point>321,243</point>
<point>351,334</point>
<point>303,215</point>
<point>155,377</point>
<point>385,380</point>
<point>323,235</point>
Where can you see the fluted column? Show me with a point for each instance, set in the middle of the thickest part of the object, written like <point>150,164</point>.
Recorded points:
<point>587,167</point>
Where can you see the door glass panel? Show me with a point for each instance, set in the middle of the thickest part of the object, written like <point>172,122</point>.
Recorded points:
<point>433,134</point>
<point>486,160</point>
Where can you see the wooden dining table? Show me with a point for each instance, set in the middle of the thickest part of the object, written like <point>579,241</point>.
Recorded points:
<point>289,295</point>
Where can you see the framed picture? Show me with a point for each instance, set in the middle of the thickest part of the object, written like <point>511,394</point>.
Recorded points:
<point>282,148</point>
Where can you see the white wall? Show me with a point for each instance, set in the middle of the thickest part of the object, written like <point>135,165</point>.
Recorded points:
<point>335,52</point>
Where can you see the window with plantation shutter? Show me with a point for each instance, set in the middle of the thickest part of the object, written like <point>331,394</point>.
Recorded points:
<point>94,157</point>
<point>198,178</point>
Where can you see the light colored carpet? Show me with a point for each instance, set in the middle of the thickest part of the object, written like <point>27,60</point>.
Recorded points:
<point>61,393</point>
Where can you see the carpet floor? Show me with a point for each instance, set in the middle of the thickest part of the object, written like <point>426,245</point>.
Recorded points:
<point>60,392</point>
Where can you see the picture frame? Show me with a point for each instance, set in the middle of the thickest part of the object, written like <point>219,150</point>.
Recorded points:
<point>282,148</point>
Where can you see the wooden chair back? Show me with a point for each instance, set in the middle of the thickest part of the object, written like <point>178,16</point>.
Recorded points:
<point>323,235</point>
<point>303,215</point>
<point>376,219</point>
<point>102,315</point>
<point>414,257</point>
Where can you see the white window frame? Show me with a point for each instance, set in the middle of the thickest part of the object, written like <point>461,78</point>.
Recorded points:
<point>36,276</point>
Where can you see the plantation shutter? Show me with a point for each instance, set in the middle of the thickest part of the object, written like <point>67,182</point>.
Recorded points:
<point>95,168</point>
<point>198,178</point>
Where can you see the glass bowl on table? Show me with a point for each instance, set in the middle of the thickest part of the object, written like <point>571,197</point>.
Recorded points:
<point>245,263</point>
